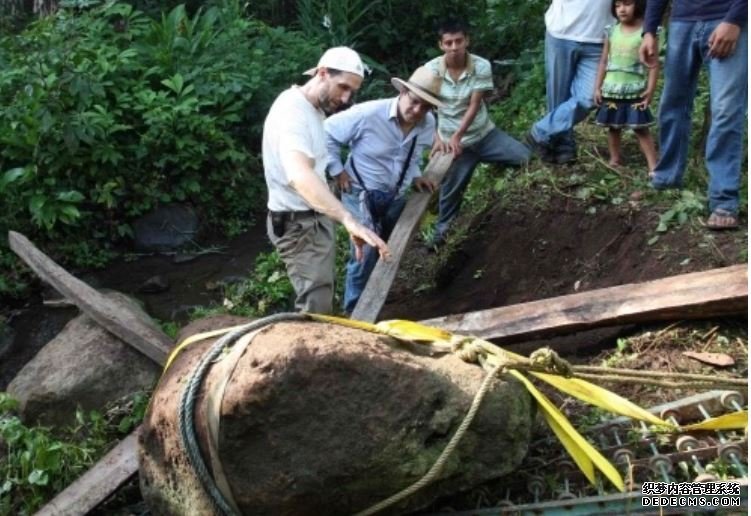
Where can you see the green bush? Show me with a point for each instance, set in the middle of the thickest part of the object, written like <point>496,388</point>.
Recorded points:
<point>396,37</point>
<point>36,463</point>
<point>108,113</point>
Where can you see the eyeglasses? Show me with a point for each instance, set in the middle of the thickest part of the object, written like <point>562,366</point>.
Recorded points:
<point>417,102</point>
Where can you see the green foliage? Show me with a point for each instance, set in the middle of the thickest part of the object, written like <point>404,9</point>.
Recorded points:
<point>526,104</point>
<point>108,113</point>
<point>687,204</point>
<point>395,36</point>
<point>267,290</point>
<point>35,464</point>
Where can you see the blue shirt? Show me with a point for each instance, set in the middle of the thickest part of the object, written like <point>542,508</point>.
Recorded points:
<point>377,144</point>
<point>731,11</point>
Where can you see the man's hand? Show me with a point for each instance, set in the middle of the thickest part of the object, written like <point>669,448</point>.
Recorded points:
<point>648,51</point>
<point>646,98</point>
<point>598,97</point>
<point>360,235</point>
<point>723,39</point>
<point>455,144</point>
<point>439,147</point>
<point>422,184</point>
<point>343,182</point>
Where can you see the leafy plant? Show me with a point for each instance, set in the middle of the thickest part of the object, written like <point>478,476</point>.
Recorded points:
<point>267,290</point>
<point>108,113</point>
<point>689,203</point>
<point>35,463</point>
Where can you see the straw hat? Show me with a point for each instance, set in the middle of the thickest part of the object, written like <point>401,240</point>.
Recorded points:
<point>423,83</point>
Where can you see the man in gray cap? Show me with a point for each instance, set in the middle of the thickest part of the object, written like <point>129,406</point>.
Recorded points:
<point>386,139</point>
<point>301,206</point>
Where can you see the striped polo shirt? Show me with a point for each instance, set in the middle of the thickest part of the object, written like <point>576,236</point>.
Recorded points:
<point>456,94</point>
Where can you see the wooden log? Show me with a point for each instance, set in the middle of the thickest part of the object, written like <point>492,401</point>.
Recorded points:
<point>113,316</point>
<point>377,288</point>
<point>98,483</point>
<point>712,293</point>
<point>120,464</point>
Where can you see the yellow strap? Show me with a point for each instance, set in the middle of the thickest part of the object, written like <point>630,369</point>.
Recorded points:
<point>583,453</point>
<point>196,338</point>
<point>733,421</point>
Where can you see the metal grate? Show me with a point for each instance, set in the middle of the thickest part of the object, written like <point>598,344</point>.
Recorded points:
<point>549,483</point>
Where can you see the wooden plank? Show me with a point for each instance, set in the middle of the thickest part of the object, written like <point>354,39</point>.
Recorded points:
<point>377,288</point>
<point>712,293</point>
<point>98,483</point>
<point>115,317</point>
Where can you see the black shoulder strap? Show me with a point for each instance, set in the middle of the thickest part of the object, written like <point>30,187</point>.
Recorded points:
<point>406,163</point>
<point>404,167</point>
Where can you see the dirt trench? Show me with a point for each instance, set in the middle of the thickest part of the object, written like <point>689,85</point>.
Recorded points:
<point>525,253</point>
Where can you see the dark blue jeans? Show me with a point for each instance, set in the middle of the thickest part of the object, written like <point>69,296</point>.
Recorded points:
<point>495,147</point>
<point>728,92</point>
<point>359,272</point>
<point>570,72</point>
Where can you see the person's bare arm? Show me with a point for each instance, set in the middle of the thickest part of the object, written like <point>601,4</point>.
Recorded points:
<point>601,68</point>
<point>303,179</point>
<point>648,50</point>
<point>475,101</point>
<point>439,145</point>
<point>647,94</point>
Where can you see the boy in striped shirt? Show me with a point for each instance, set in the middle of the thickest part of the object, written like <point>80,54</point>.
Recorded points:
<point>464,126</point>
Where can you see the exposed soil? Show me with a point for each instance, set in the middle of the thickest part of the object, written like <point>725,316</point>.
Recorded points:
<point>524,253</point>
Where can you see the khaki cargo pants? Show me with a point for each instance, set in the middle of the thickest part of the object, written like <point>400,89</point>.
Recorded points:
<point>308,250</point>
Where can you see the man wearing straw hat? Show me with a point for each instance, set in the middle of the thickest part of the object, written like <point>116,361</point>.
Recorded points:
<point>386,139</point>
<point>301,206</point>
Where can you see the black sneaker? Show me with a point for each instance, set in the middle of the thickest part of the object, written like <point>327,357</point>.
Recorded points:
<point>564,158</point>
<point>538,148</point>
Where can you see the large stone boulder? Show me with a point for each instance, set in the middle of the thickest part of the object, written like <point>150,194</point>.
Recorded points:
<point>166,228</point>
<point>83,366</point>
<point>322,419</point>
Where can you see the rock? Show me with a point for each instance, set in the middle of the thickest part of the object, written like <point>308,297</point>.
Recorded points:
<point>323,419</point>
<point>154,285</point>
<point>83,366</point>
<point>167,228</point>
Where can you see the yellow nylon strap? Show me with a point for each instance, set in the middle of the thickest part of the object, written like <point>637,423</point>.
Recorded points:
<point>213,407</point>
<point>732,421</point>
<point>196,338</point>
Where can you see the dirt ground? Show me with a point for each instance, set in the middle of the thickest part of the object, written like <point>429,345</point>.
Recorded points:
<point>525,252</point>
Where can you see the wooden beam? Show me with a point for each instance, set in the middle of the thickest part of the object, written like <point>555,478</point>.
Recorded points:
<point>377,288</point>
<point>98,483</point>
<point>121,463</point>
<point>115,317</point>
<point>712,293</point>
